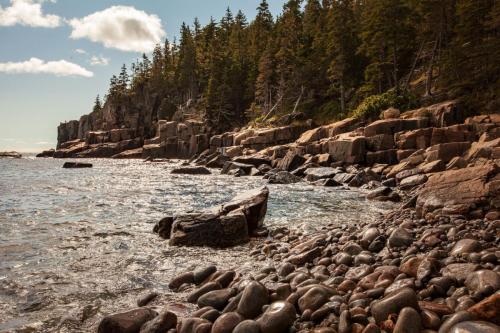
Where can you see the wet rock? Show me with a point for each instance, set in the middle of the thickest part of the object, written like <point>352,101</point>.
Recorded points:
<point>458,191</point>
<point>233,167</point>
<point>400,237</point>
<point>283,177</point>
<point>381,191</point>
<point>459,271</point>
<point>217,299</point>
<point>344,322</point>
<point>202,274</point>
<point>211,315</point>
<point>254,297</point>
<point>76,165</point>
<point>488,309</point>
<point>146,299</point>
<point>160,324</point>
<point>430,320</point>
<point>46,153</point>
<point>454,319</point>
<point>371,328</point>
<point>227,322</point>
<point>427,268</point>
<point>225,278</point>
<point>291,161</point>
<point>253,204</point>
<point>313,174</point>
<point>393,303</point>
<point>126,322</point>
<point>410,266</point>
<point>465,246</point>
<point>277,318</point>
<point>164,227</point>
<point>408,321</point>
<point>179,280</point>
<point>252,160</point>
<point>285,269</point>
<point>313,299</point>
<point>247,326</point>
<point>208,229</point>
<point>207,287</point>
<point>482,279</point>
<point>412,181</point>
<point>368,236</point>
<point>305,257</point>
<point>474,327</point>
<point>191,170</point>
<point>217,161</point>
<point>194,325</point>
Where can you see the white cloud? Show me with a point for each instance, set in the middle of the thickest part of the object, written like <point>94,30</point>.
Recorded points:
<point>37,66</point>
<point>99,61</point>
<point>43,143</point>
<point>28,13</point>
<point>80,51</point>
<point>121,27</point>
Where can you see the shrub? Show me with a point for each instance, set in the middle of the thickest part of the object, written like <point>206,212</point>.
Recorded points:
<point>372,106</point>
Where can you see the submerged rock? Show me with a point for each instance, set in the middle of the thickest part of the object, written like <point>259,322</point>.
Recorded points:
<point>191,170</point>
<point>10,154</point>
<point>76,165</point>
<point>283,177</point>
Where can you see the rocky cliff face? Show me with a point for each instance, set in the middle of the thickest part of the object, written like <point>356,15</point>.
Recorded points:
<point>136,115</point>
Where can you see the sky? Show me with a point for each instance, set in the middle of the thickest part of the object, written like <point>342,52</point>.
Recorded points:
<point>57,55</point>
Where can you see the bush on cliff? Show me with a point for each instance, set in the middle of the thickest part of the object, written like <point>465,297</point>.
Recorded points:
<point>372,106</point>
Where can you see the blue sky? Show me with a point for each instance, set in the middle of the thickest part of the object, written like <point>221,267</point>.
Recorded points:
<point>56,56</point>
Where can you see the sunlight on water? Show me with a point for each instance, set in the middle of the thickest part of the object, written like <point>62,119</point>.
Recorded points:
<point>70,238</point>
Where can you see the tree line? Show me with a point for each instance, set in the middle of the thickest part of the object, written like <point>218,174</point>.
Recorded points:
<point>325,58</point>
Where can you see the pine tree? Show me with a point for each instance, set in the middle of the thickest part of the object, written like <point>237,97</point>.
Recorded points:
<point>187,65</point>
<point>344,70</point>
<point>97,105</point>
<point>288,61</point>
<point>123,80</point>
<point>387,40</point>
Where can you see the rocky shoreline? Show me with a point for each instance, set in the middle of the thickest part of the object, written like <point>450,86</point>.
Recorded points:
<point>405,273</point>
<point>431,265</point>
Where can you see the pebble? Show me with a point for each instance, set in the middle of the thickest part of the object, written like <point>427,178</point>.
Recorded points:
<point>277,318</point>
<point>393,303</point>
<point>254,297</point>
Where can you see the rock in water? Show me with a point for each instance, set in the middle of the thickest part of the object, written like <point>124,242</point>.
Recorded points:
<point>206,229</point>
<point>162,323</point>
<point>76,165</point>
<point>283,177</point>
<point>189,170</point>
<point>253,204</point>
<point>223,226</point>
<point>126,322</point>
<point>46,153</point>
<point>10,154</point>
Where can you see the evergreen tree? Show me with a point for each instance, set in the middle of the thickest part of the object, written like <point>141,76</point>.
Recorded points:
<point>344,70</point>
<point>288,62</point>
<point>97,105</point>
<point>387,40</point>
<point>123,80</point>
<point>187,65</point>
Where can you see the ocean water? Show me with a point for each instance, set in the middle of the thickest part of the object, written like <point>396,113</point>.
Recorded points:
<point>77,243</point>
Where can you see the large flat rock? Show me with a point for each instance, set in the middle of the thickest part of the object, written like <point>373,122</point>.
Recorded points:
<point>459,191</point>
<point>222,226</point>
